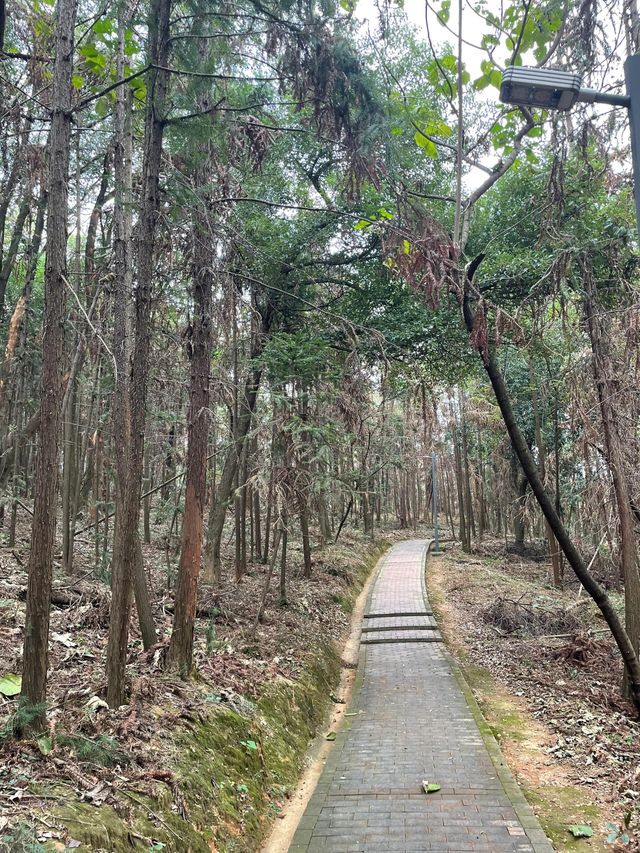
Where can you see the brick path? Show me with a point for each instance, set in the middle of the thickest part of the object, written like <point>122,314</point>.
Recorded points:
<point>415,724</point>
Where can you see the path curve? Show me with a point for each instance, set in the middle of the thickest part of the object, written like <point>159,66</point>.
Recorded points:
<point>412,718</point>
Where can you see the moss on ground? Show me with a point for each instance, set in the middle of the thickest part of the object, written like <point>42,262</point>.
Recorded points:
<point>560,807</point>
<point>233,769</point>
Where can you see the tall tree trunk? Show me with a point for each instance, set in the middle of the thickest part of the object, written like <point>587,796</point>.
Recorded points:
<point>34,672</point>
<point>462,522</point>
<point>283,557</point>
<point>16,237</point>
<point>520,484</point>
<point>123,550</point>
<point>129,553</point>
<point>471,524</point>
<point>257,524</point>
<point>157,87</point>
<point>180,654</point>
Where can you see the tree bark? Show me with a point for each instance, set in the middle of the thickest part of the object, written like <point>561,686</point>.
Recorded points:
<point>520,485</point>
<point>123,550</point>
<point>129,555</point>
<point>554,554</point>
<point>34,672</point>
<point>180,654</point>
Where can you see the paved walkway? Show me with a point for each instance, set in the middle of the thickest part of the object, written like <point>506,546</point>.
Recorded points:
<point>414,724</point>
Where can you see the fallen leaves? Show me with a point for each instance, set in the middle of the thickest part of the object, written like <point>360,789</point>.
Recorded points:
<point>10,684</point>
<point>570,682</point>
<point>233,674</point>
<point>581,830</point>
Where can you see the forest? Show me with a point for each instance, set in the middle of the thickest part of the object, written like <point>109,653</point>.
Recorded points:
<point>283,285</point>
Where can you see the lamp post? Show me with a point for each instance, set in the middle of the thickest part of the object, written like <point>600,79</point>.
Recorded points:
<point>552,89</point>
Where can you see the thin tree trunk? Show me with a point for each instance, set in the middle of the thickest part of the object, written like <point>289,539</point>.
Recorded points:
<point>227,477</point>
<point>123,544</point>
<point>129,563</point>
<point>554,553</point>
<point>283,558</point>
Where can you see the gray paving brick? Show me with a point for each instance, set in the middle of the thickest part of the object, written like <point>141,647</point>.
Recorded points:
<point>416,724</point>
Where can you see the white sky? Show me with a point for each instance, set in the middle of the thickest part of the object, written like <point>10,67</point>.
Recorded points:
<point>415,12</point>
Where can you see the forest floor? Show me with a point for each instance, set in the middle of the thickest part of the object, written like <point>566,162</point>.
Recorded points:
<point>547,677</point>
<point>96,757</point>
<point>545,673</point>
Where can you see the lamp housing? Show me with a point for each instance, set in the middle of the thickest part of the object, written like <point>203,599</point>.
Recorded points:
<point>541,88</point>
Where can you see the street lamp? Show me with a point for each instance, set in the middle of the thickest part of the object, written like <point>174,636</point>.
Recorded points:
<point>553,89</point>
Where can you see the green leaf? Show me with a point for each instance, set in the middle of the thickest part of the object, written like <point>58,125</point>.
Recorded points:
<point>102,107</point>
<point>489,39</point>
<point>362,223</point>
<point>102,26</point>
<point>430,787</point>
<point>427,145</point>
<point>250,744</point>
<point>481,83</point>
<point>44,744</point>
<point>139,89</point>
<point>95,61</point>
<point>77,81</point>
<point>580,830</point>
<point>10,684</point>
<point>330,736</point>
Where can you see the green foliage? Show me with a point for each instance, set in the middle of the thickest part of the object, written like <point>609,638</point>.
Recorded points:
<point>303,355</point>
<point>411,334</point>
<point>21,719</point>
<point>101,750</point>
<point>20,839</point>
